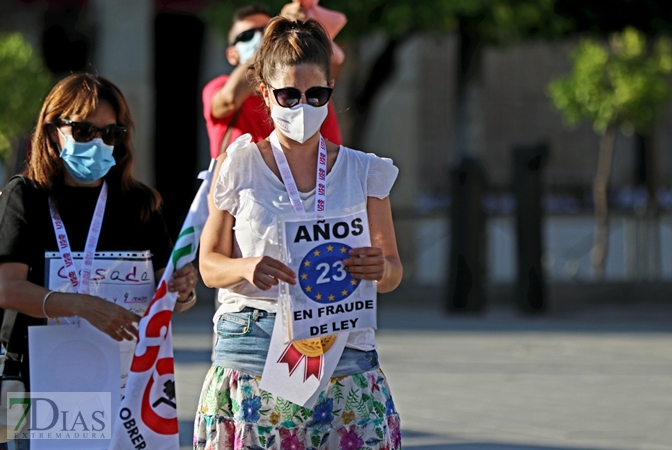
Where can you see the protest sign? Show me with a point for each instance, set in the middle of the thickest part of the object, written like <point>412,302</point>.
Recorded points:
<point>326,299</point>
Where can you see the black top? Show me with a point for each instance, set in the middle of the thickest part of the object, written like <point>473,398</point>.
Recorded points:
<point>26,233</point>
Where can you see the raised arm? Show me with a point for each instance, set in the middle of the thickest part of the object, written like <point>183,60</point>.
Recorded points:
<point>230,97</point>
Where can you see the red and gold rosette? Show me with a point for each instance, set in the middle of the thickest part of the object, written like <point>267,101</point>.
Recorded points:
<point>312,350</point>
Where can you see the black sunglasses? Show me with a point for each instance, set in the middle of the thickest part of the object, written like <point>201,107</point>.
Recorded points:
<point>315,96</point>
<point>86,131</point>
<point>247,35</point>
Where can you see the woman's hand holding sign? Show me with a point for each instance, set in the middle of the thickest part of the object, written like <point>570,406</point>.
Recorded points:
<point>110,318</point>
<point>267,272</point>
<point>366,263</point>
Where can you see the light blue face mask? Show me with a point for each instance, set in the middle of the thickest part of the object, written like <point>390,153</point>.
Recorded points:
<point>87,161</point>
<point>246,50</point>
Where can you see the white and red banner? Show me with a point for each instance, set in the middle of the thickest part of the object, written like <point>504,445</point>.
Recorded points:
<point>147,417</point>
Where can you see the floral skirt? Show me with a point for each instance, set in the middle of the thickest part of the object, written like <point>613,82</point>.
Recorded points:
<point>354,412</point>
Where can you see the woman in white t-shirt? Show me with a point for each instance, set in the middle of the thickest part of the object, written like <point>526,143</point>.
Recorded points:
<point>240,254</point>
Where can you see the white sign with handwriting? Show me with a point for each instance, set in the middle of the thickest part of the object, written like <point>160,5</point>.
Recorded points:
<point>125,278</point>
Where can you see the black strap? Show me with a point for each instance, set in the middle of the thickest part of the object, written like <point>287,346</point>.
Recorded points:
<point>8,316</point>
<point>14,329</point>
<point>12,368</point>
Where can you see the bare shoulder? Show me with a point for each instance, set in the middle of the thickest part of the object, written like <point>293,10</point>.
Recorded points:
<point>264,146</point>
<point>266,152</point>
<point>332,148</point>
<point>332,153</point>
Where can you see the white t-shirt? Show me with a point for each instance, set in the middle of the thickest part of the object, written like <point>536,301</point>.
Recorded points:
<point>255,196</point>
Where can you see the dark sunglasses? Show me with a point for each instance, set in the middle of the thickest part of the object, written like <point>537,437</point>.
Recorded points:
<point>86,131</point>
<point>315,96</point>
<point>247,35</point>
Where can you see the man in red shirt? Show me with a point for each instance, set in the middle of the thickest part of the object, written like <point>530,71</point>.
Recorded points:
<point>229,100</point>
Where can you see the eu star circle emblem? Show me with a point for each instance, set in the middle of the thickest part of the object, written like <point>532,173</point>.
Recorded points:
<point>322,275</point>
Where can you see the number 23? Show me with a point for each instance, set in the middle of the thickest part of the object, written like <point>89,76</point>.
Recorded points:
<point>324,267</point>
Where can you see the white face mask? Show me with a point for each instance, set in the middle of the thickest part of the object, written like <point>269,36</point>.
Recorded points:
<point>300,122</point>
<point>246,50</point>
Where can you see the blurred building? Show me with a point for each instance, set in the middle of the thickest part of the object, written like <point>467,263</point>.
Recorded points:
<point>161,53</point>
<point>413,123</point>
<point>151,49</point>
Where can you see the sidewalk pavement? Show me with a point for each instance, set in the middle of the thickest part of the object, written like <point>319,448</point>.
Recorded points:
<point>588,376</point>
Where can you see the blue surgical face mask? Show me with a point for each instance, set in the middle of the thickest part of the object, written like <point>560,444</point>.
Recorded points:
<point>87,161</point>
<point>246,50</point>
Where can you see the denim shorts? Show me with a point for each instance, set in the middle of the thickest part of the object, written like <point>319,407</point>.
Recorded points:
<point>243,339</point>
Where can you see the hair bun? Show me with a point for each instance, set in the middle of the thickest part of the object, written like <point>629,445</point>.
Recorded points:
<point>290,43</point>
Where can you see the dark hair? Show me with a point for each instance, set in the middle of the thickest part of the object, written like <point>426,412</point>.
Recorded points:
<point>250,10</point>
<point>247,11</point>
<point>290,43</point>
<point>79,95</point>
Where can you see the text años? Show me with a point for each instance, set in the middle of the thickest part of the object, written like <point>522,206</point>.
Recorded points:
<point>324,230</point>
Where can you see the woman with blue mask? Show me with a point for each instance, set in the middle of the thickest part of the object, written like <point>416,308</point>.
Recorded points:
<point>255,396</point>
<point>81,240</point>
<point>90,160</point>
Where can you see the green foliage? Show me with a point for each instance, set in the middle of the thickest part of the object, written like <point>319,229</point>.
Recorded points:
<point>621,84</point>
<point>266,396</point>
<point>211,400</point>
<point>223,401</point>
<point>302,413</point>
<point>338,391</point>
<point>496,20</point>
<point>219,375</point>
<point>284,407</point>
<point>652,17</point>
<point>360,380</point>
<point>24,82</point>
<point>354,401</point>
<point>368,399</point>
<point>379,409</point>
<point>263,430</point>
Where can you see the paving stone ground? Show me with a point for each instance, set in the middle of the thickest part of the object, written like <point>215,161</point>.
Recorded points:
<point>580,376</point>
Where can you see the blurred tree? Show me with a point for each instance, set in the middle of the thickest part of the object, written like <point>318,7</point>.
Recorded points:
<point>651,17</point>
<point>476,23</point>
<point>24,82</point>
<point>620,85</point>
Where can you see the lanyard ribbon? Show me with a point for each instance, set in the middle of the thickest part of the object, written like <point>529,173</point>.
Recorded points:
<point>291,356</point>
<point>288,179</point>
<point>81,285</point>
